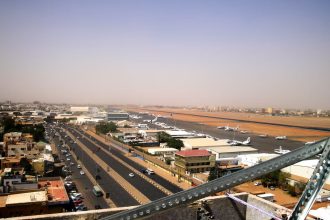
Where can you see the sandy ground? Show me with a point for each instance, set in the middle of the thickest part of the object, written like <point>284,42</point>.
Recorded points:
<point>298,134</point>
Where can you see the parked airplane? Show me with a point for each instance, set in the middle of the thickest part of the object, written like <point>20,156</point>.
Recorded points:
<point>281,151</point>
<point>280,137</point>
<point>263,135</point>
<point>238,143</point>
<point>227,128</point>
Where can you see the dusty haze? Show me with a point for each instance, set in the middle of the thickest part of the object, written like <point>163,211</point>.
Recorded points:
<point>255,53</point>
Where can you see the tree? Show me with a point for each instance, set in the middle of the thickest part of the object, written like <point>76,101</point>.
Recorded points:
<point>213,174</point>
<point>175,143</point>
<point>282,179</point>
<point>25,164</point>
<point>106,127</point>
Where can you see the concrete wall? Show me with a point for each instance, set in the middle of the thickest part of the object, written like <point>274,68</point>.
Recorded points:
<point>220,206</point>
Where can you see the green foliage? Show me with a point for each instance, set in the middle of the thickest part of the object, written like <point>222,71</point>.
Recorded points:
<point>36,130</point>
<point>213,174</point>
<point>106,127</point>
<point>175,143</point>
<point>282,179</point>
<point>127,126</point>
<point>163,137</point>
<point>271,178</point>
<point>25,164</point>
<point>171,142</point>
<point>292,190</point>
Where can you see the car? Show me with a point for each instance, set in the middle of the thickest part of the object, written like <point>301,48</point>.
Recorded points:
<point>78,166</point>
<point>71,163</point>
<point>131,175</point>
<point>257,183</point>
<point>68,178</point>
<point>272,188</point>
<point>82,172</point>
<point>68,159</point>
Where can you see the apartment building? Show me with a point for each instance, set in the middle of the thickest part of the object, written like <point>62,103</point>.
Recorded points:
<point>194,161</point>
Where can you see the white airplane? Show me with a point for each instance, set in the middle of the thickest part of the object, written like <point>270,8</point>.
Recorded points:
<point>281,151</point>
<point>238,143</point>
<point>280,137</point>
<point>227,128</point>
<point>154,120</point>
<point>263,135</point>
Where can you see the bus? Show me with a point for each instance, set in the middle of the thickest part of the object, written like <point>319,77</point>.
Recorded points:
<point>97,191</point>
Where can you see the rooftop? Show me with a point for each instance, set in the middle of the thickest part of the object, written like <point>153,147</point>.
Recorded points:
<point>204,142</point>
<point>55,188</point>
<point>232,149</point>
<point>193,153</point>
<point>25,198</point>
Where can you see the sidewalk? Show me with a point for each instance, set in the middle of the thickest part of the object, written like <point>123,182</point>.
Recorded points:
<point>158,170</point>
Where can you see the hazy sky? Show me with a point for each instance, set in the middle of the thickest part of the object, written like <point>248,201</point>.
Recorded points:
<point>242,53</point>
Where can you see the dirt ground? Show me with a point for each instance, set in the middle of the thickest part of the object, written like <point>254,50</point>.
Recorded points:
<point>298,134</point>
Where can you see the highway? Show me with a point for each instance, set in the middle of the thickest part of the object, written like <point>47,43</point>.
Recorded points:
<point>82,182</point>
<point>116,192</point>
<point>160,180</point>
<point>264,145</point>
<point>146,188</point>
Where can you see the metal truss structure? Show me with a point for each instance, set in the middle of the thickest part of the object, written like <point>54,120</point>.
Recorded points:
<point>300,211</point>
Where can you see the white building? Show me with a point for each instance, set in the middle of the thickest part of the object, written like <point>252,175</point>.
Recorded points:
<point>80,109</point>
<point>231,152</point>
<point>203,143</point>
<point>253,159</point>
<point>302,171</point>
<point>179,134</point>
<point>165,152</point>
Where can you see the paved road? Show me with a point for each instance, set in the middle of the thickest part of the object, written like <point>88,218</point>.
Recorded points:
<point>158,179</point>
<point>146,188</point>
<point>117,193</point>
<point>83,183</point>
<point>264,145</point>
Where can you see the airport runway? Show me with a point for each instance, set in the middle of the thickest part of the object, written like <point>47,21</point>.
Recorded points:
<point>264,145</point>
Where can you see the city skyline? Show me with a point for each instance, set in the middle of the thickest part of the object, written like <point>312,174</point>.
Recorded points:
<point>255,54</point>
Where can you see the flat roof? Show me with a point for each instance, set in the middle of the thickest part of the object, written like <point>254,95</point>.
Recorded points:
<point>160,149</point>
<point>231,149</point>
<point>193,153</point>
<point>178,133</point>
<point>56,189</point>
<point>204,142</point>
<point>25,198</point>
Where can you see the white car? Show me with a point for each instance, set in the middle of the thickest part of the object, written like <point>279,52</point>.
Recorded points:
<point>78,166</point>
<point>82,172</point>
<point>131,175</point>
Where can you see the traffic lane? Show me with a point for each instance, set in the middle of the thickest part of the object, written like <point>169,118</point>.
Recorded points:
<point>158,179</point>
<point>83,183</point>
<point>84,186</point>
<point>146,188</point>
<point>117,194</point>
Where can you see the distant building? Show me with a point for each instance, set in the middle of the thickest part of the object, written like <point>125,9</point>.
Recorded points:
<point>194,161</point>
<point>117,116</point>
<point>79,109</point>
